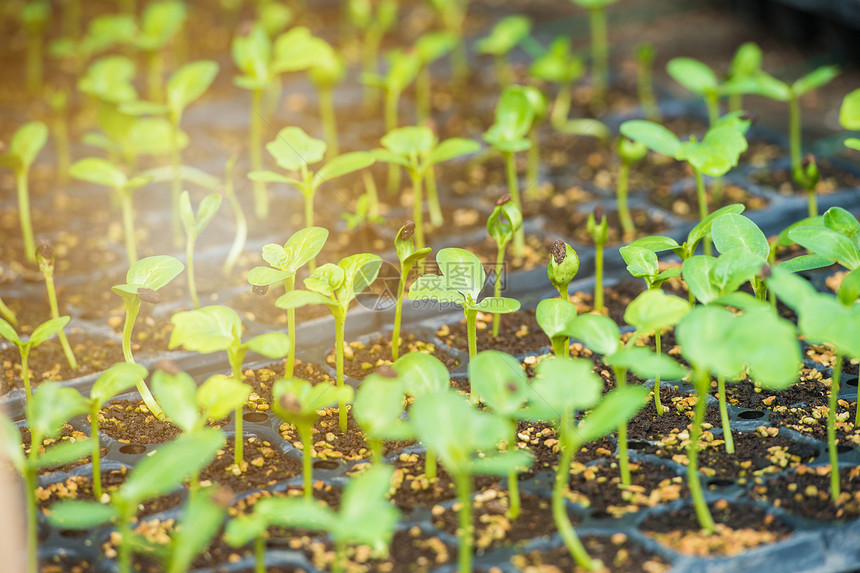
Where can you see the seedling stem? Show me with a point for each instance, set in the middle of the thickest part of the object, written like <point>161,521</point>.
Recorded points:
<point>694,483</point>
<point>514,190</point>
<point>724,415</point>
<point>831,428</point>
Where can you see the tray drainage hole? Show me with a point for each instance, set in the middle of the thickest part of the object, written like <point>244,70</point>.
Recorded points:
<point>132,449</point>
<point>751,415</point>
<point>637,444</point>
<point>255,417</point>
<point>843,449</point>
<point>851,382</point>
<point>325,465</point>
<point>720,482</point>
<point>73,533</point>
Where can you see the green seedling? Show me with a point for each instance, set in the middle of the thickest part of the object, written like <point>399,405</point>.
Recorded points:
<point>563,266</point>
<point>274,17</point>
<point>630,152</point>
<point>378,410</point>
<point>103,172</point>
<point>214,328</point>
<point>51,407</point>
<point>336,286</point>
<point>418,150</point>
<point>834,237</point>
<point>142,282</point>
<point>715,155</point>
<point>554,316</point>
<point>104,32</point>
<point>298,402</point>
<point>372,20</point>
<point>238,246</point>
<point>697,77</point>
<point>402,70</point>
<point>26,144</point>
<point>41,333</point>
<point>115,380</point>
<point>598,227</point>
<point>457,432</point>
<point>159,25</point>
<point>645,82</point>
<point>829,320</point>
<point>561,388</point>
<point>461,283</point>
<point>294,151</point>
<point>642,263</point>
<point>849,117</point>
<point>327,71</point>
<point>194,223</point>
<point>502,225</point>
<point>452,14</point>
<point>429,48</point>
<point>58,101</point>
<point>504,37</point>
<point>285,262</point>
<point>558,65</point>
<point>366,517</point>
<point>540,107</point>
<point>423,374</point>
<point>365,213</point>
<point>45,258</point>
<point>648,312</point>
<point>155,475</point>
<point>34,18</point>
<point>508,135</point>
<point>408,256</point>
<point>501,384</point>
<point>746,63</point>
<point>599,48</point>
<point>8,314</point>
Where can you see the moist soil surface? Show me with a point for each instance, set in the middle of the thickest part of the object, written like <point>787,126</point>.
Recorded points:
<point>131,422</point>
<point>616,552</point>
<point>363,358</point>
<point>806,492</point>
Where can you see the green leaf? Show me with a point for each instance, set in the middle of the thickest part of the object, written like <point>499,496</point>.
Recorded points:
<point>746,61</point>
<point>114,380</point>
<point>641,262</point>
<point>201,519</point>
<point>219,395</point>
<point>308,399</point>
<point>302,247</point>
<point>705,335</point>
<point>52,406</point>
<point>703,227</point>
<point>646,364</point>
<point>434,287</point>
<point>554,316</point>
<point>160,22</point>
<point>827,243</point>
<point>360,271</point>
<point>499,380</point>
<point>98,171</point>
<point>343,165</point>
<point>28,141</point>
<point>153,272</point>
<point>292,148</point>
<point>433,45</point>
<point>823,319</point>
<point>462,270</point>
<point>693,75</point>
<point>46,330</point>
<point>325,280</point>
<point>170,465</point>
<point>842,222</point>
<point>206,211</point>
<point>563,385</point>
<point>849,290</point>
<point>451,148</point>
<point>769,348</point>
<point>654,309</point>
<point>265,276</point>
<point>244,528</point>
<point>502,463</point>
<point>696,272</point>
<point>422,374</point>
<point>270,177</point>
<point>294,50</point>
<point>505,35</point>
<point>656,243</point>
<point>378,408</point>
<point>653,135</point>
<point>405,141</point>
<point>7,331</point>
<point>597,332</point>
<point>177,396</point>
<point>62,453</point>
<point>730,231</point>
<point>10,444</point>
<point>805,263</point>
<point>587,127</point>
<point>299,298</point>
<point>79,514</point>
<point>716,153</point>
<point>270,345</point>
<point>297,512</point>
<point>560,274</point>
<point>186,173</point>
<point>815,79</point>
<point>618,407</point>
<point>849,112</point>
<point>208,329</point>
<point>504,222</point>
<point>789,288</point>
<point>188,83</point>
<point>498,305</point>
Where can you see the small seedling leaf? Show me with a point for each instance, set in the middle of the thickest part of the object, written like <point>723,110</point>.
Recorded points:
<point>654,309</point>
<point>219,395</point>
<point>653,135</point>
<point>451,148</point>
<point>598,332</point>
<point>292,148</point>
<point>343,165</point>
<point>422,374</point>
<point>646,364</point>
<point>827,243</point>
<point>47,329</point>
<point>188,83</point>
<point>208,329</point>
<point>115,380</point>
<point>7,331</point>
<point>299,298</point>
<point>563,384</point>
<point>153,272</point>
<point>98,171</point>
<point>498,305</point>
<point>842,222</point>
<point>28,141</point>
<point>52,406</point>
<point>302,247</point>
<point>554,316</point>
<point>730,231</point>
<point>62,453</point>
<point>815,79</point>
<point>616,408</point>
<point>80,514</point>
<point>177,396</point>
<point>499,380</point>
<point>270,344</point>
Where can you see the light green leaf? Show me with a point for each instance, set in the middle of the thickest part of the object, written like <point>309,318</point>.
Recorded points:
<point>98,171</point>
<point>815,79</point>
<point>360,271</point>
<point>563,385</point>
<point>653,135</point>
<point>641,262</point>
<point>646,364</point>
<point>555,316</point>
<point>597,332</point>
<point>116,379</point>
<point>7,331</point>
<point>303,246</point>
<point>462,270</point>
<point>265,276</point>
<point>827,243</point>
<point>47,329</point>
<point>177,396</point>
<point>705,335</point>
<point>219,395</point>
<point>52,406</point>
<point>502,463</point>
<point>208,329</point>
<point>62,453</point>
<point>498,305</point>
<point>703,227</point>
<point>618,407</point>
<point>843,222</point>
<point>730,231</point>
<point>379,406</point>
<point>79,514</point>
<point>654,309</point>
<point>325,280</point>
<point>28,141</point>
<point>153,272</point>
<point>201,519</point>
<point>499,380</point>
<point>451,148</point>
<point>343,165</point>
<point>849,112</point>
<point>404,141</point>
<point>271,177</point>
<point>10,444</point>
<point>299,298</point>
<point>696,272</point>
<point>188,83</point>
<point>849,290</point>
<point>293,148</point>
<point>270,344</point>
<point>244,528</point>
<point>422,373</point>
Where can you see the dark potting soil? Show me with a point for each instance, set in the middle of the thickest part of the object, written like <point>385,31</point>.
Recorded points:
<point>812,421</point>
<point>263,465</point>
<point>413,489</point>
<point>738,528</point>
<point>806,492</point>
<point>570,222</point>
<point>262,379</point>
<point>617,553</point>
<point>363,358</point>
<point>832,178</point>
<point>541,440</point>
<point>685,203</point>
<point>519,333</point>
<point>61,563</point>
<point>535,254</point>
<point>824,355</point>
<point>48,361</point>
<point>261,308</point>
<point>810,389</point>
<point>130,421</point>
<point>648,425</point>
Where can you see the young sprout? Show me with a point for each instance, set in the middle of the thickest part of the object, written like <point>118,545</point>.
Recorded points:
<point>58,101</point>
<point>143,280</point>
<point>834,237</point>
<point>26,144</point>
<point>373,21</point>
<point>644,81</point>
<point>51,407</point>
<point>327,71</point>
<point>217,327</point>
<point>8,314</point>
<point>831,321</point>
<point>42,333</point>
<point>457,432</point>
<point>159,24</point>
<point>808,177</point>
<point>563,266</point>
<point>849,117</point>
<point>294,150</point>
<point>715,341</point>
<point>697,77</point>
<point>554,316</point>
<point>514,118</point>
<point>116,379</point>
<point>336,286</point>
<point>648,312</point>
<point>284,263</point>
<point>34,17</point>
<point>563,387</point>
<point>630,152</point>
<point>241,237</point>
<point>746,63</point>
<point>155,475</point>
<point>45,257</point>
<point>418,150</point>
<point>194,225</point>
<point>429,48</point>
<point>502,225</point>
<point>558,65</point>
<point>714,155</point>
<point>402,70</point>
<point>378,410</point>
<point>599,48</point>
<point>504,37</point>
<point>461,283</point>
<point>452,14</point>
<point>103,172</point>
<point>540,107</point>
<point>408,256</point>
<point>274,17</point>
<point>366,517</point>
<point>500,382</point>
<point>366,210</point>
<point>201,518</point>
<point>598,228</point>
